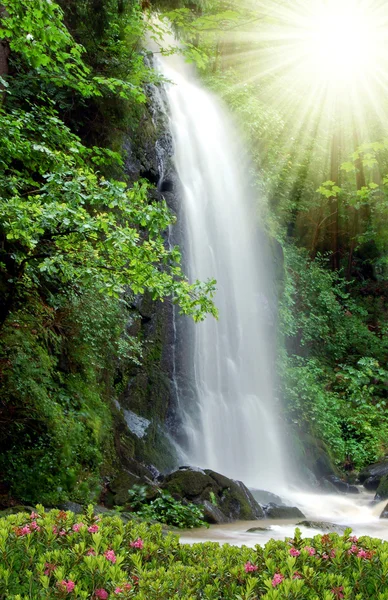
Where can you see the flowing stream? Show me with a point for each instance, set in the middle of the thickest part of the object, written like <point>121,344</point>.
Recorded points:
<point>229,417</point>
<point>357,512</point>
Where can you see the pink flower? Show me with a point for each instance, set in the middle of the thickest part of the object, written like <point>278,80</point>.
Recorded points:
<point>34,525</point>
<point>91,552</point>
<point>55,530</point>
<point>68,585</point>
<point>353,550</point>
<point>101,593</point>
<point>110,555</point>
<point>34,515</point>
<point>309,550</point>
<point>277,578</point>
<point>137,544</point>
<point>127,587</point>
<point>332,554</point>
<point>362,554</point>
<point>62,532</point>
<point>297,575</point>
<point>249,567</point>
<point>25,530</point>
<point>353,539</point>
<point>93,528</point>
<point>49,568</point>
<point>77,526</point>
<point>325,556</point>
<point>294,552</point>
<point>119,590</point>
<point>338,592</point>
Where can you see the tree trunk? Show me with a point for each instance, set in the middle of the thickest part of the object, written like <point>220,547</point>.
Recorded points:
<point>360,183</point>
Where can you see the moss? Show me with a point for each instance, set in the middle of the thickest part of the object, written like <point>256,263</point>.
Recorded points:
<point>233,502</point>
<point>199,486</point>
<point>190,484</point>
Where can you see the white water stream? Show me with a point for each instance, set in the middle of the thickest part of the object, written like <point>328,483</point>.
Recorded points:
<point>231,425</point>
<point>356,512</point>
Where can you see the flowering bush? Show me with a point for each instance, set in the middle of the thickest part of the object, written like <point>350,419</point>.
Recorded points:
<point>58,555</point>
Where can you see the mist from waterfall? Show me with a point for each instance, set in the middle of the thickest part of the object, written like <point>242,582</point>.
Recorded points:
<point>228,416</point>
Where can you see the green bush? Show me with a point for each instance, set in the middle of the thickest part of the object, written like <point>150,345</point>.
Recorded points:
<point>165,509</point>
<point>59,555</point>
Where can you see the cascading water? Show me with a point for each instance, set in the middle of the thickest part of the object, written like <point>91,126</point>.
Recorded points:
<point>230,424</point>
<point>223,369</point>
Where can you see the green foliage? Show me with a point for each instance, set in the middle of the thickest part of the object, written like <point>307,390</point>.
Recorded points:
<point>333,381</point>
<point>165,509</point>
<point>78,242</point>
<point>62,220</point>
<point>56,374</point>
<point>35,31</point>
<point>56,554</point>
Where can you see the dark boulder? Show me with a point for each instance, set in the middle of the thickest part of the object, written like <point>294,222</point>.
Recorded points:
<point>342,485</point>
<point>190,484</point>
<point>74,507</point>
<point>213,514</point>
<point>371,476</point>
<point>384,514</point>
<point>316,457</point>
<point>274,511</point>
<point>382,490</point>
<point>231,498</point>
<point>258,529</point>
<point>322,526</point>
<point>116,493</point>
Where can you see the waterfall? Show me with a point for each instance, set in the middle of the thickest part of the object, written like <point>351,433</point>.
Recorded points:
<point>227,411</point>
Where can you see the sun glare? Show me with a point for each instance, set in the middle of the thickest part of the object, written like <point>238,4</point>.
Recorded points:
<point>342,42</point>
<point>319,60</point>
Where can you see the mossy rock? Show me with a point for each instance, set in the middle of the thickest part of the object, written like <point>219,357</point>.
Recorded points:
<point>213,514</point>
<point>117,493</point>
<point>272,511</point>
<point>323,526</point>
<point>317,457</point>
<point>382,490</point>
<point>230,497</point>
<point>236,501</point>
<point>190,484</point>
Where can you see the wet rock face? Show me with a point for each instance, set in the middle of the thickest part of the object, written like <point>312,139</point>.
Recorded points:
<point>342,486</point>
<point>371,476</point>
<point>224,499</point>
<point>264,497</point>
<point>146,407</point>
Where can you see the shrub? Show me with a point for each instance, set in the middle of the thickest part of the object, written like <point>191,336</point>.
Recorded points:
<point>165,509</point>
<point>59,555</point>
